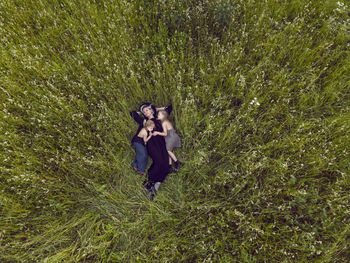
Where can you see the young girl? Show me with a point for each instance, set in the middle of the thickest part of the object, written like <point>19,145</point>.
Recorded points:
<point>148,127</point>
<point>172,139</point>
<point>139,141</point>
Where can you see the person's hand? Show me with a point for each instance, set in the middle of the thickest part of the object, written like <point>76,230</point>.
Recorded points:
<point>155,133</point>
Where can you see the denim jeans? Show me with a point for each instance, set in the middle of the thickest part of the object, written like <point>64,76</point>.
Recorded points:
<point>141,159</point>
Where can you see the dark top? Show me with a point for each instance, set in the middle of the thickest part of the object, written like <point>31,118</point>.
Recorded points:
<point>138,140</point>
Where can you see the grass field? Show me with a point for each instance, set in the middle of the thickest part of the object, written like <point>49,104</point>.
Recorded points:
<point>261,97</point>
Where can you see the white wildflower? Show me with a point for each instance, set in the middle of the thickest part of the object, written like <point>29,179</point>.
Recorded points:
<point>255,102</point>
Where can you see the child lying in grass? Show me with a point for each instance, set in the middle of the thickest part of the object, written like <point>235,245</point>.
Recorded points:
<point>172,139</point>
<point>139,142</point>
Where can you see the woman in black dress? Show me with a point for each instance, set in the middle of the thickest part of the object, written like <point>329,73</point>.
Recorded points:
<point>156,149</point>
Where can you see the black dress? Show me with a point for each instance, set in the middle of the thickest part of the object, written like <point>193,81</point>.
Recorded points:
<point>160,159</point>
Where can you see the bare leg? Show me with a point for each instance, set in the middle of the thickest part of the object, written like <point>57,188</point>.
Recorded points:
<point>172,156</point>
<point>170,161</point>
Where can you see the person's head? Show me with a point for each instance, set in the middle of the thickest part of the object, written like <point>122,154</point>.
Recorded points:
<point>149,125</point>
<point>148,110</point>
<point>162,115</point>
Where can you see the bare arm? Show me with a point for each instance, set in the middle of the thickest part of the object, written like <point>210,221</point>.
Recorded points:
<point>165,130</point>
<point>146,139</point>
<point>143,135</point>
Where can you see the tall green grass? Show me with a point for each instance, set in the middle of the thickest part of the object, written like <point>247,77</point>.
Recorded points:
<point>261,99</point>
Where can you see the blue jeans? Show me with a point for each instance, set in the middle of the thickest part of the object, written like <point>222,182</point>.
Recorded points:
<point>141,159</point>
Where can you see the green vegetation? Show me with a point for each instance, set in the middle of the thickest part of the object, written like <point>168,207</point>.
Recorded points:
<point>261,96</point>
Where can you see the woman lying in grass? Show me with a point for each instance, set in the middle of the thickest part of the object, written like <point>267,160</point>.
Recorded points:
<point>156,149</point>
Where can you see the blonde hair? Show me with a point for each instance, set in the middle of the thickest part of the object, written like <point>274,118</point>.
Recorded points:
<point>166,115</point>
<point>149,124</point>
